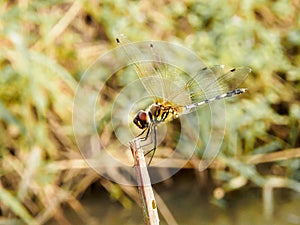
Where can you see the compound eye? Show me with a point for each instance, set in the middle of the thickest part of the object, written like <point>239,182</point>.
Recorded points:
<point>142,115</point>
<point>141,119</point>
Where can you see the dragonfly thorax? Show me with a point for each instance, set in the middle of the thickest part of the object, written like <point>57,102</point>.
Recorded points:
<point>157,113</point>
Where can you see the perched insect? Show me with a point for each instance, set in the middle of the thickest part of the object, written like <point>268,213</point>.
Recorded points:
<point>208,85</point>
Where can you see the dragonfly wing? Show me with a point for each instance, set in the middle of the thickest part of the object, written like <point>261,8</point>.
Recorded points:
<point>168,83</point>
<point>172,78</point>
<point>160,79</point>
<point>142,60</point>
<point>211,82</point>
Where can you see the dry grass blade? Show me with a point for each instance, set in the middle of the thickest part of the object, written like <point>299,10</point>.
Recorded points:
<point>273,156</point>
<point>64,21</point>
<point>16,206</point>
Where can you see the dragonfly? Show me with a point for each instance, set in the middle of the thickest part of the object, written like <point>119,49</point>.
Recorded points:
<point>209,84</point>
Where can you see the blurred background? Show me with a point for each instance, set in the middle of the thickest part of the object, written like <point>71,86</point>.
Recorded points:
<point>45,47</point>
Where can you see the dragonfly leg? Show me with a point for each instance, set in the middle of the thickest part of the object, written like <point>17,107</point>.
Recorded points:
<point>154,139</point>
<point>139,136</point>
<point>146,137</point>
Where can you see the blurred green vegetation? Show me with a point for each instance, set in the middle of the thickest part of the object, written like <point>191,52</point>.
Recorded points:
<point>45,46</point>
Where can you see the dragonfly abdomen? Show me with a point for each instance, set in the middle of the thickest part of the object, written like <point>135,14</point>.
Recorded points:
<point>218,97</point>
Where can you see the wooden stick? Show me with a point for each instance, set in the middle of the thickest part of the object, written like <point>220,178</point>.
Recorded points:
<point>144,184</point>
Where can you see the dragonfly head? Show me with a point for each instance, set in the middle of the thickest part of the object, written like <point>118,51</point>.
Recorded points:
<point>141,119</point>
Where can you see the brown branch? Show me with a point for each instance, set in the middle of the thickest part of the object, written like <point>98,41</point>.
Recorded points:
<point>144,184</point>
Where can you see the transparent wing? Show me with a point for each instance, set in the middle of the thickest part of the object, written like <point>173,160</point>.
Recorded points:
<point>172,78</point>
<point>159,79</point>
<point>211,82</point>
<point>168,83</point>
<point>143,63</point>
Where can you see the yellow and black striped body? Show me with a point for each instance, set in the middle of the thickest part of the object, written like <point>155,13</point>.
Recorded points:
<point>163,112</point>
<point>157,113</point>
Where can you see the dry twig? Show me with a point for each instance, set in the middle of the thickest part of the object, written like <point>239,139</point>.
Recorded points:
<point>144,184</point>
